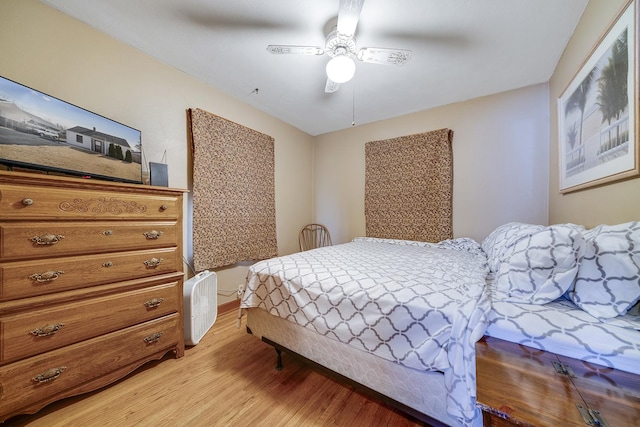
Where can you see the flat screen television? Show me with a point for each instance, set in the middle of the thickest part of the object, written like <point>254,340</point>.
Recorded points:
<point>41,132</point>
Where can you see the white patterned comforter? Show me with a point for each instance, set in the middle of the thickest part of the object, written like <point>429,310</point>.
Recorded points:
<point>561,327</point>
<point>418,304</point>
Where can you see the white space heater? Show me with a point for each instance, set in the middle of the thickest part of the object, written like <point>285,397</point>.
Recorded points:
<point>200,305</point>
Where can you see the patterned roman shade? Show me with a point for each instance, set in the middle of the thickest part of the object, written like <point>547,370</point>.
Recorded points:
<point>409,187</point>
<point>234,215</point>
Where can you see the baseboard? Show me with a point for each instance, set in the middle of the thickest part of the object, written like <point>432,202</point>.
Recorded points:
<point>228,306</point>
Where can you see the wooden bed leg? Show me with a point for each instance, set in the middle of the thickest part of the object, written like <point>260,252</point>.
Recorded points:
<point>279,365</point>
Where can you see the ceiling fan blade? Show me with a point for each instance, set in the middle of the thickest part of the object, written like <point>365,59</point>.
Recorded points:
<point>331,86</point>
<point>381,55</point>
<point>229,21</point>
<point>283,49</point>
<point>348,16</point>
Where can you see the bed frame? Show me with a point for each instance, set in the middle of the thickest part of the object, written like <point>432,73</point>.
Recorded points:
<point>421,395</point>
<point>410,412</point>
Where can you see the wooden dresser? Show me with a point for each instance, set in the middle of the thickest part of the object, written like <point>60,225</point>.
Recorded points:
<point>90,284</point>
<point>522,386</point>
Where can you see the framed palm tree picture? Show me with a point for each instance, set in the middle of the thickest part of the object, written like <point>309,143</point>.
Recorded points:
<point>597,116</point>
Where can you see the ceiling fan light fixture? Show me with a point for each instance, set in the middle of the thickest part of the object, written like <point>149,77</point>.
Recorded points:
<point>341,69</point>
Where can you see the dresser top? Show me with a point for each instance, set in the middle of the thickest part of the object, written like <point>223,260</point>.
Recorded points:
<point>23,178</point>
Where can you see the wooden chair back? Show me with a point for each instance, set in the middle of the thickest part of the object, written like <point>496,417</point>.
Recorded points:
<point>313,236</point>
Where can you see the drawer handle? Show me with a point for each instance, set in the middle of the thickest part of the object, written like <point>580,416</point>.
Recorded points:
<point>153,234</point>
<point>107,232</point>
<point>46,239</point>
<point>107,264</point>
<point>47,276</point>
<point>153,303</point>
<point>153,262</point>
<point>47,331</point>
<point>27,202</point>
<point>49,375</point>
<point>155,337</point>
<point>164,207</point>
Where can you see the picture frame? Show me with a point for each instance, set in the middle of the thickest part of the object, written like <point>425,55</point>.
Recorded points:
<point>39,132</point>
<point>597,112</point>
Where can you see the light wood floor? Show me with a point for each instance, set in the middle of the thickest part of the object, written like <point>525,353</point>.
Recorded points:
<point>228,379</point>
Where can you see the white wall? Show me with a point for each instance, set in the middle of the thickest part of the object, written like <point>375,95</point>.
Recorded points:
<point>500,158</point>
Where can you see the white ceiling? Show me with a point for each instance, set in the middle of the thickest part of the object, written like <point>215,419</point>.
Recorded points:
<point>461,49</point>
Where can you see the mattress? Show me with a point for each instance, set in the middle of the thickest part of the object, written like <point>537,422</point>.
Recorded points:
<point>420,305</point>
<point>423,391</point>
<point>561,327</point>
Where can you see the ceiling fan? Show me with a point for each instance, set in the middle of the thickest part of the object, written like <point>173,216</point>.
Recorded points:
<point>340,45</point>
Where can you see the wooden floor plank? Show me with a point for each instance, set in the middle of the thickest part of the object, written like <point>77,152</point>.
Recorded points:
<point>228,379</point>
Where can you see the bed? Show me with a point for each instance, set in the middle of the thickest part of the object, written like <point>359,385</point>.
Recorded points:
<point>402,318</point>
<point>561,327</point>
<point>568,290</point>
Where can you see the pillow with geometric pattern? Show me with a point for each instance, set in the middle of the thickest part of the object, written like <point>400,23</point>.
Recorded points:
<point>495,243</point>
<point>539,266</point>
<point>608,280</point>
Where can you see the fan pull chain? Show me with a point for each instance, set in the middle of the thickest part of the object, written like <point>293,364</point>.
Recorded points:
<point>353,106</point>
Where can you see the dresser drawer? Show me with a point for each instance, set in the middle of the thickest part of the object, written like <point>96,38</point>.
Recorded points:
<point>31,202</point>
<point>43,377</point>
<point>20,279</point>
<point>33,332</point>
<point>48,239</point>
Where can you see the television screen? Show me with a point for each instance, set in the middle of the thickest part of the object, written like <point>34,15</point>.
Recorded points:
<point>38,131</point>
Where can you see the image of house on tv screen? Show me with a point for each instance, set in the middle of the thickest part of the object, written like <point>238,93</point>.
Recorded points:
<point>38,131</point>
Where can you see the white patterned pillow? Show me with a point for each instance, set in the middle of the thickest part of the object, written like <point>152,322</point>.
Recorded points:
<point>495,243</point>
<point>539,266</point>
<point>461,244</point>
<point>608,281</point>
